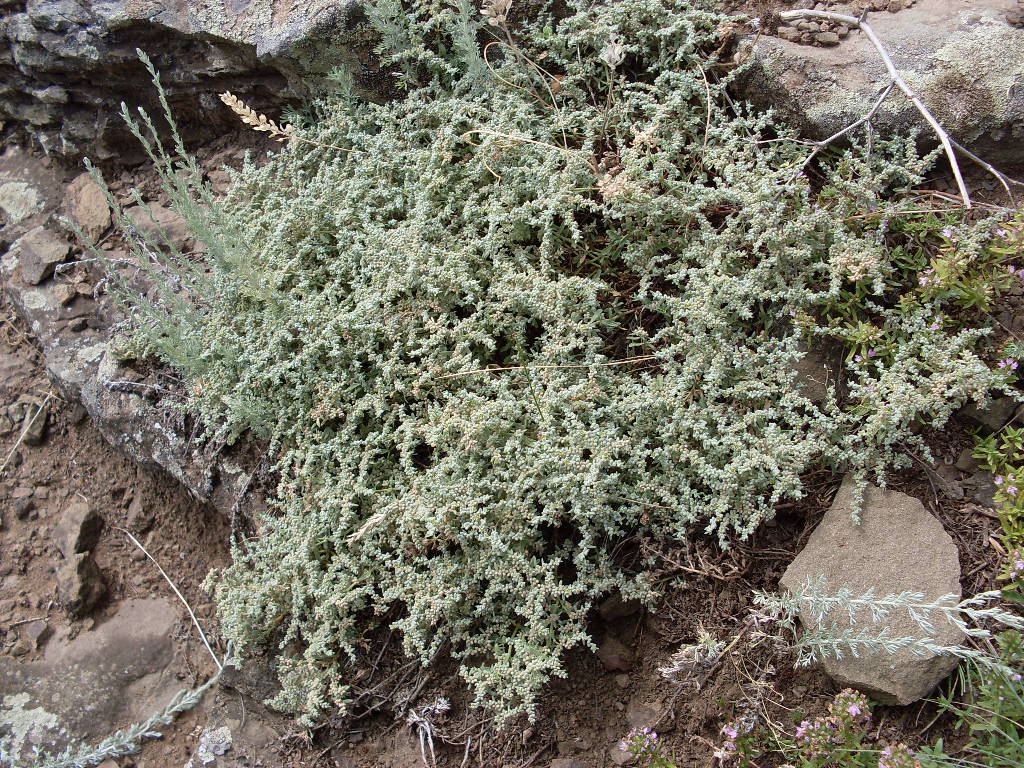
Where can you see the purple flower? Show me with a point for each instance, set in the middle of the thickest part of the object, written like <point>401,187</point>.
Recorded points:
<point>1012,490</point>
<point>871,352</point>
<point>1001,232</point>
<point>998,480</point>
<point>854,708</point>
<point>947,232</point>
<point>1011,269</point>
<point>857,358</point>
<point>928,277</point>
<point>730,731</point>
<point>640,742</point>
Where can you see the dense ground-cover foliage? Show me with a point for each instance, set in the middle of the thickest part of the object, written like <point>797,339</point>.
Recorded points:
<point>550,299</point>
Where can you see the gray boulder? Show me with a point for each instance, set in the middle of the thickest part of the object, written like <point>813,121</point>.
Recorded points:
<point>80,584</point>
<point>898,546</point>
<point>961,56</point>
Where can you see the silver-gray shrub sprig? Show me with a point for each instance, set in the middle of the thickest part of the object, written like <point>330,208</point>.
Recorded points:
<point>541,303</point>
<point>127,741</point>
<point>825,636</point>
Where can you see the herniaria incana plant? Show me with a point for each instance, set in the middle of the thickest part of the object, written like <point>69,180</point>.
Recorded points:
<point>541,303</point>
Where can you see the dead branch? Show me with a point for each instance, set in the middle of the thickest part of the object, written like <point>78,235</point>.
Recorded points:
<point>820,145</point>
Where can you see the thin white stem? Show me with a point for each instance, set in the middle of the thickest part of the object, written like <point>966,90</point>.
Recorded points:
<point>852,126</point>
<point>181,597</point>
<point>900,83</point>
<point>1003,179</point>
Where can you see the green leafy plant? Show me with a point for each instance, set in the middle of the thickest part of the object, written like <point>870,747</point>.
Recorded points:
<point>1002,453</point>
<point>646,748</point>
<point>936,262</point>
<point>549,300</point>
<point>838,739</point>
<point>992,707</point>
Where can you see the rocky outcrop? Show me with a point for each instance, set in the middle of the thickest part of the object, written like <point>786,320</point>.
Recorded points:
<point>139,417</point>
<point>66,65</point>
<point>898,546</point>
<point>963,57</point>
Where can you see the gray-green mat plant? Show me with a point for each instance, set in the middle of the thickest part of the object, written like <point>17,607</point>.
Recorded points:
<point>552,298</point>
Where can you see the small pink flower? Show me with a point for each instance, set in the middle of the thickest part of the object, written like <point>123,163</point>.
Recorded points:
<point>998,480</point>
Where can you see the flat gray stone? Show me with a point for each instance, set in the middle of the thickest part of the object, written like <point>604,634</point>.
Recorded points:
<point>995,414</point>
<point>898,546</point>
<point>86,688</point>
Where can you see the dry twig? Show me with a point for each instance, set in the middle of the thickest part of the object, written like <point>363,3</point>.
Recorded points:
<point>24,431</point>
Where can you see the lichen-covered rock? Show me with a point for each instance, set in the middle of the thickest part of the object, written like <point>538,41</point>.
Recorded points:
<point>70,64</point>
<point>19,200</point>
<point>898,546</point>
<point>85,689</point>
<point>961,56</point>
